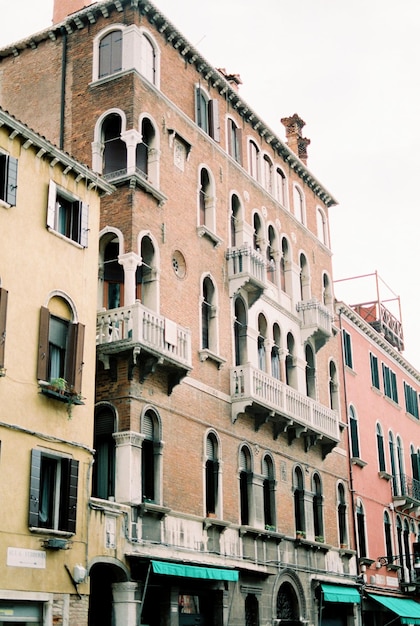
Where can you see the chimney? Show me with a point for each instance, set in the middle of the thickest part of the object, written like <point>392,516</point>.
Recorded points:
<point>295,141</point>
<point>63,8</point>
<point>234,80</point>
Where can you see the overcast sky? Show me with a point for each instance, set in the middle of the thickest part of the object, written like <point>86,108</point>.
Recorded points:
<point>351,70</point>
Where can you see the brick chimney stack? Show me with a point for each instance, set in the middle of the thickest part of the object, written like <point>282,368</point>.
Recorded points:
<point>295,141</point>
<point>63,8</point>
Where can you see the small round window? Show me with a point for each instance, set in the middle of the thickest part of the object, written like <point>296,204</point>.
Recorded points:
<point>178,264</point>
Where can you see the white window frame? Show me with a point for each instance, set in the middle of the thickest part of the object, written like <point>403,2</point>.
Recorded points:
<point>55,192</point>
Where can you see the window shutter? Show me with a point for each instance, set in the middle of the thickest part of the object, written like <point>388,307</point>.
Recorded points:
<point>51,209</point>
<point>84,224</point>
<point>34,488</point>
<point>11,180</point>
<point>239,140</point>
<point>199,106</point>
<point>3,312</point>
<point>148,428</point>
<point>74,357</point>
<point>73,473</point>
<point>43,352</point>
<point>214,123</point>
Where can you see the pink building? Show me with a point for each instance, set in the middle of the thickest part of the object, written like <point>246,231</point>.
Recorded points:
<point>381,392</point>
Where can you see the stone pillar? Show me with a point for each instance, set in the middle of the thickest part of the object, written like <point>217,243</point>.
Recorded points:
<point>125,604</point>
<point>128,467</point>
<point>130,262</point>
<point>131,138</point>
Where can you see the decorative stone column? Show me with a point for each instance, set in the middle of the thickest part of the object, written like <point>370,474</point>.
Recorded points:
<point>128,467</point>
<point>125,604</point>
<point>130,262</point>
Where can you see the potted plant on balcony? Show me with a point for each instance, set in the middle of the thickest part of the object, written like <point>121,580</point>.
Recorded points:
<point>59,384</point>
<point>300,534</point>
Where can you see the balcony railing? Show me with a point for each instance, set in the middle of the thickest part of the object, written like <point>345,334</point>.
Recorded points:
<point>316,320</point>
<point>246,269</point>
<point>260,393</point>
<point>406,488</point>
<point>137,325</point>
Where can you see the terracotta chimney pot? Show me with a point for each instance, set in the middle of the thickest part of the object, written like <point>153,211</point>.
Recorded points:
<point>64,8</point>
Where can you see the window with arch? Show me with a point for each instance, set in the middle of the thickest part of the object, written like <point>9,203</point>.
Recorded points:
<point>262,339</point>
<point>407,550</point>
<point>147,286</point>
<point>310,372</point>
<point>322,226</point>
<point>234,136</point>
<point>361,529</point>
<point>333,387</point>
<point>327,295</point>
<point>103,474</point>
<point>299,500</point>
<point>252,611</point>
<point>272,255</point>
<point>258,234</point>
<point>212,475</point>
<point>299,204</point>
<point>380,448</point>
<point>147,163</point>
<point>151,455</point>
<point>245,485</point>
<point>111,273</point>
<point>207,204</point>
<point>269,487</point>
<point>317,506</point>
<point>342,515</point>
<point>60,353</point>
<point>114,149</point>
<point>207,113</point>
<point>388,534</point>
<point>148,64</point>
<point>394,471</point>
<point>267,173</point>
<point>400,543</point>
<point>287,605</point>
<point>305,279</point>
<point>240,332</point>
<point>281,187</point>
<point>284,266</point>
<point>354,433</point>
<point>401,474</point>
<point>110,53</point>
<point>235,216</point>
<point>291,370</point>
<point>253,157</point>
<point>208,316</point>
<point>275,353</point>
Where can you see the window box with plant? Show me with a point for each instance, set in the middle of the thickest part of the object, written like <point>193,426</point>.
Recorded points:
<point>57,388</point>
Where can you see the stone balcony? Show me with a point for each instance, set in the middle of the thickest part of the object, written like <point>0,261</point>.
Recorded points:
<point>316,321</point>
<point>150,339</point>
<point>247,271</point>
<point>269,400</point>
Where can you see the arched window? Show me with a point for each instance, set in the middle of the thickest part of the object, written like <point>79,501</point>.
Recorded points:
<point>207,216</point>
<point>245,484</point>
<point>407,550</point>
<point>151,457</point>
<point>208,316</point>
<point>284,267</point>
<point>400,546</point>
<point>103,475</point>
<point>234,137</point>
<point>299,500</point>
<point>258,236</point>
<point>342,515</point>
<point>207,113</point>
<point>146,153</point>
<point>388,534</point>
<point>299,204</point>
<point>401,473</point>
<point>327,296</point>
<point>333,386</point>
<point>287,605</point>
<point>112,275</point>
<point>254,155</point>
<point>317,507</point>
<point>380,448</point>
<point>147,275</point>
<point>354,433</point>
<point>271,255</point>
<point>291,374</point>
<point>322,226</point>
<point>268,174</point>
<point>240,331</point>
<point>361,529</point>
<point>275,353</point>
<point>305,280</point>
<point>114,148</point>
<point>110,53</point>
<point>395,479</point>
<point>148,59</point>
<point>234,219</point>
<point>252,611</point>
<point>310,372</point>
<point>212,475</point>
<point>281,189</point>
<point>269,486</point>
<point>262,338</point>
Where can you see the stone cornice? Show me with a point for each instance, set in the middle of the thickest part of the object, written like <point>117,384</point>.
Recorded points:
<point>45,149</point>
<point>214,78</point>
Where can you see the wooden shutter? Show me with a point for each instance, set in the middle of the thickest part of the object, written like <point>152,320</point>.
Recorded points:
<point>34,488</point>
<point>73,473</point>
<point>239,141</point>
<point>43,346</point>
<point>51,209</point>
<point>214,122</point>
<point>11,180</point>
<point>84,224</point>
<point>74,357</point>
<point>3,312</point>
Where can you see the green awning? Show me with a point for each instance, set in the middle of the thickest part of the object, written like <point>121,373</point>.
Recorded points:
<point>340,593</point>
<point>194,571</point>
<point>407,610</point>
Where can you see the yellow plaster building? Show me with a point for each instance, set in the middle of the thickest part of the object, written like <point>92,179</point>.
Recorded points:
<point>49,220</point>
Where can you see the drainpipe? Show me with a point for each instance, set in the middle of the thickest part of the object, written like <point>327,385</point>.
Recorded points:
<point>63,87</point>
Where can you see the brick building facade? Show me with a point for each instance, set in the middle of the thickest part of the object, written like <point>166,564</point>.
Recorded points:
<point>220,486</point>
